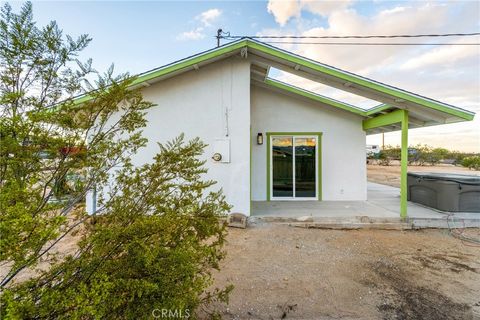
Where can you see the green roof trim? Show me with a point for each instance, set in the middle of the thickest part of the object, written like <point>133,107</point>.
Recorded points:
<point>189,62</point>
<point>396,93</point>
<point>178,65</point>
<point>361,81</point>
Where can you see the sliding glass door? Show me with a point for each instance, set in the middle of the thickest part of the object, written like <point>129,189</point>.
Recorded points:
<point>294,167</point>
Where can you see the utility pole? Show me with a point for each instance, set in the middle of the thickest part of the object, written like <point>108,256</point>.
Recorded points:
<point>383,140</point>
<point>219,35</point>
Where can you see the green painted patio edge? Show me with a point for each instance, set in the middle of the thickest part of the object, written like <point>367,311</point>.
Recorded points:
<point>355,79</point>
<point>319,160</point>
<point>383,120</point>
<point>314,96</point>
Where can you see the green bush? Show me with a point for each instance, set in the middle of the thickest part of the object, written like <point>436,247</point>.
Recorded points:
<point>154,247</point>
<point>151,244</point>
<point>434,156</point>
<point>383,159</point>
<point>471,162</point>
<point>456,156</point>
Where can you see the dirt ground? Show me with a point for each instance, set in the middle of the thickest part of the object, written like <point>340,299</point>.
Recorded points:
<point>390,175</point>
<point>284,272</point>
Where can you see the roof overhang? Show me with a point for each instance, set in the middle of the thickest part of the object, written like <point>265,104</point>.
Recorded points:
<point>423,111</point>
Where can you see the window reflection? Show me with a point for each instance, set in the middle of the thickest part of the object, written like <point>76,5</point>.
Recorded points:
<point>294,155</point>
<point>305,165</point>
<point>282,166</point>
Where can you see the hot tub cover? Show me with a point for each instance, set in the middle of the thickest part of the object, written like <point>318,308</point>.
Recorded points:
<point>452,177</point>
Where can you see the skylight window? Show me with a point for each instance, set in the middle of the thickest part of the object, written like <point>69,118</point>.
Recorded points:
<point>322,89</point>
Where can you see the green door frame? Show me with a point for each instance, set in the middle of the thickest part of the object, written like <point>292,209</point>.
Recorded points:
<point>319,160</point>
<point>397,116</point>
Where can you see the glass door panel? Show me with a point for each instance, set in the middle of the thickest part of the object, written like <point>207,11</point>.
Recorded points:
<point>305,167</point>
<point>282,166</point>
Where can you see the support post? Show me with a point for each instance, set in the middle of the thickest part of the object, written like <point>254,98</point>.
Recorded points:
<point>397,116</point>
<point>404,166</point>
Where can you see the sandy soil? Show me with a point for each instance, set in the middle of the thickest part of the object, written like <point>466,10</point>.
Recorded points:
<point>283,272</point>
<point>390,175</point>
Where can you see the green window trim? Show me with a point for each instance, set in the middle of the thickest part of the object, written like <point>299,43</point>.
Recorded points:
<point>319,160</point>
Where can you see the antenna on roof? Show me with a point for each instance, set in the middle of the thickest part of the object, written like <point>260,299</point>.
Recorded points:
<point>219,36</point>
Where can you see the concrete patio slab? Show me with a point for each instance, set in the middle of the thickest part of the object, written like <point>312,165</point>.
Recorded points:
<point>382,208</point>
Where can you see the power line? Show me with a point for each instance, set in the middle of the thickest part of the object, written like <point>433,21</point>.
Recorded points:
<point>374,43</point>
<point>226,35</point>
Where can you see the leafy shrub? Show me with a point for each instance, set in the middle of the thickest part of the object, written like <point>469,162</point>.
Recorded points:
<point>153,248</point>
<point>434,156</point>
<point>472,162</point>
<point>383,159</point>
<point>151,245</point>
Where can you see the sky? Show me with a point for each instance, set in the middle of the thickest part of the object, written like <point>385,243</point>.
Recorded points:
<point>138,36</point>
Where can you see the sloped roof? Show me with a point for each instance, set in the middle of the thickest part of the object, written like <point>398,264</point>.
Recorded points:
<point>423,111</point>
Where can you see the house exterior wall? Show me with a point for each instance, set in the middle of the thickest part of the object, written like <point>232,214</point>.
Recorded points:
<point>218,102</point>
<point>211,103</point>
<point>343,170</point>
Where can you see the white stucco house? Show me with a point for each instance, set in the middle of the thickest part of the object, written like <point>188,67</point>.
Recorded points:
<point>271,141</point>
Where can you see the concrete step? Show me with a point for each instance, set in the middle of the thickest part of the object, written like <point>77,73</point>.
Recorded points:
<point>364,222</point>
<point>354,226</point>
<point>444,223</point>
<point>359,222</point>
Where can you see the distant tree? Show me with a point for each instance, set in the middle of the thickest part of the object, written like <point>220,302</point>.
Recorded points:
<point>438,154</point>
<point>383,158</point>
<point>424,154</point>
<point>155,236</point>
<point>389,153</point>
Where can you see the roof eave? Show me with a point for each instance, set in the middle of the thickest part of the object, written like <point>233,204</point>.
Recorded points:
<point>180,65</point>
<point>357,80</point>
<point>308,64</point>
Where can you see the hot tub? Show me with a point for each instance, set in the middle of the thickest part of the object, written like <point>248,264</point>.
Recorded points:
<point>445,191</point>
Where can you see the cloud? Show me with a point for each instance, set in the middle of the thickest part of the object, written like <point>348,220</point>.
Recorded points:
<point>205,19</point>
<point>324,8</point>
<point>381,61</point>
<point>284,10</point>
<point>447,73</point>
<point>195,34</point>
<point>209,16</point>
<point>442,56</point>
